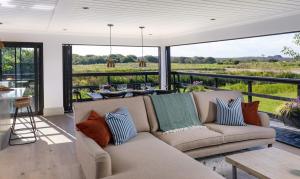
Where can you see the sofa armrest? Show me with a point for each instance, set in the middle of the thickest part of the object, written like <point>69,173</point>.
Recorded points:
<point>95,162</point>
<point>264,119</point>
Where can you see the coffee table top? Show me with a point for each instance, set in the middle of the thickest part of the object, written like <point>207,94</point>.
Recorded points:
<point>267,163</point>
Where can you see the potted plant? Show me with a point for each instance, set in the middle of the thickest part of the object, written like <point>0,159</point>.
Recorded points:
<point>289,113</point>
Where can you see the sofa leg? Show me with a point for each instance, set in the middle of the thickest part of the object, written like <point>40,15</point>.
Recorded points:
<point>270,145</point>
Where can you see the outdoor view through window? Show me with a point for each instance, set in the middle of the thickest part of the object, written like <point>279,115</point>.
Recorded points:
<point>93,59</point>
<point>269,56</point>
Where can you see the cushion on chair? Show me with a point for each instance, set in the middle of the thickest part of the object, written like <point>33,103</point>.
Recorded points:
<point>191,138</point>
<point>242,133</point>
<point>121,125</point>
<point>135,105</point>
<point>250,113</point>
<point>95,128</point>
<point>230,113</point>
<point>206,103</point>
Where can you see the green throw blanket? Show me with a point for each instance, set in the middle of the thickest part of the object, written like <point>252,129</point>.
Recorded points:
<point>175,111</point>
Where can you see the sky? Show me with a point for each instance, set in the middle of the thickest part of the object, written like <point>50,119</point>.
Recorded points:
<point>104,50</point>
<point>258,46</point>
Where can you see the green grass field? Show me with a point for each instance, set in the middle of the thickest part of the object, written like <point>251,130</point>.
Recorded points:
<point>268,105</point>
<point>274,69</point>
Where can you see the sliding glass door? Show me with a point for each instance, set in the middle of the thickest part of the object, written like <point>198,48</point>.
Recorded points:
<point>21,69</point>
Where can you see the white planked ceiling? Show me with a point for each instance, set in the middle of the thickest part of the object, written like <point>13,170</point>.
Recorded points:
<point>162,18</point>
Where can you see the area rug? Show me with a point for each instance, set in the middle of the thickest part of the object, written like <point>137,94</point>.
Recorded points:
<point>219,165</point>
<point>288,136</point>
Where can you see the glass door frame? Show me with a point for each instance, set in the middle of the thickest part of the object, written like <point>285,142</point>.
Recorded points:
<point>38,70</point>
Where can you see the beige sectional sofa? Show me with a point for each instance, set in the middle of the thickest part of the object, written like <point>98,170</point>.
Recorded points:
<point>153,154</point>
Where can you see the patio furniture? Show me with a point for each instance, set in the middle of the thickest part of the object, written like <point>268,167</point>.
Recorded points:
<point>77,94</point>
<point>184,86</point>
<point>266,163</point>
<point>114,94</point>
<point>95,96</point>
<point>169,151</point>
<point>159,92</point>
<point>142,92</point>
<point>23,102</point>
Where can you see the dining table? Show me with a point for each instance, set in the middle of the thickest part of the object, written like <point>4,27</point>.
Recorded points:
<point>106,94</point>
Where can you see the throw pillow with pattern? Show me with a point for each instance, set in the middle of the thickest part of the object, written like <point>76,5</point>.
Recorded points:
<point>230,113</point>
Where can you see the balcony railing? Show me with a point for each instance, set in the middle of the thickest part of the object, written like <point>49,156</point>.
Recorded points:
<point>151,77</point>
<point>217,81</point>
<point>184,79</point>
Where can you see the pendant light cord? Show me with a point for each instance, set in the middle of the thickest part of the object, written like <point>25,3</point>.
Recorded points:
<point>110,40</point>
<point>110,48</point>
<point>142,35</point>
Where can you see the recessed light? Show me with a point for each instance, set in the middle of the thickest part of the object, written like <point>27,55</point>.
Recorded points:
<point>43,7</point>
<point>85,8</point>
<point>213,19</point>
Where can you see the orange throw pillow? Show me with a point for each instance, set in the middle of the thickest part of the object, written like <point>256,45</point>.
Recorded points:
<point>95,128</point>
<point>250,113</point>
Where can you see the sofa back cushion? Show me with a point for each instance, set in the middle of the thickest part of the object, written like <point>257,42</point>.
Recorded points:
<point>206,103</point>
<point>154,126</point>
<point>135,105</point>
<point>151,114</point>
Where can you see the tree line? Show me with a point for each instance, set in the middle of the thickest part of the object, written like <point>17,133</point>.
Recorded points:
<point>118,58</point>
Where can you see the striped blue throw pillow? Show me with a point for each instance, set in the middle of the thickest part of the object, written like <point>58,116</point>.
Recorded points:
<point>121,125</point>
<point>230,113</point>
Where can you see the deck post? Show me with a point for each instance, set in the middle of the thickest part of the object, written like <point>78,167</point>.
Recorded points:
<point>249,91</point>
<point>108,79</point>
<point>216,82</point>
<point>146,78</point>
<point>298,89</point>
<point>191,79</point>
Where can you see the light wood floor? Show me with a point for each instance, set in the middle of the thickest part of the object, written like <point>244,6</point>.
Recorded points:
<point>53,155</point>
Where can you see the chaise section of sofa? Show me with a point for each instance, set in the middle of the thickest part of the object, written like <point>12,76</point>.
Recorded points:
<point>143,157</point>
<point>147,157</point>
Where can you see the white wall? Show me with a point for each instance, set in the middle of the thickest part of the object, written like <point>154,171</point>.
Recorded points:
<point>53,81</point>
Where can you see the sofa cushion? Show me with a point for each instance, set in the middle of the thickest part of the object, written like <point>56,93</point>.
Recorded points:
<point>192,138</point>
<point>242,133</point>
<point>250,113</point>
<point>121,125</point>
<point>135,106</point>
<point>151,114</point>
<point>206,103</point>
<point>230,113</point>
<point>147,157</point>
<point>95,128</point>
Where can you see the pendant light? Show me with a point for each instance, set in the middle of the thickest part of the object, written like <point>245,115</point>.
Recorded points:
<point>110,62</point>
<point>142,62</point>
